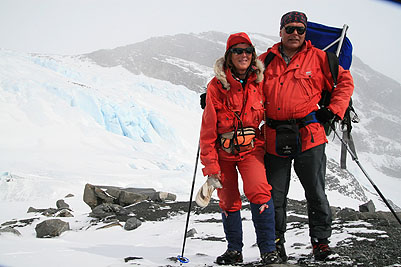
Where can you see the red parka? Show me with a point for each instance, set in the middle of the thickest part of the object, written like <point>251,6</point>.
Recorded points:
<point>226,95</point>
<point>294,91</point>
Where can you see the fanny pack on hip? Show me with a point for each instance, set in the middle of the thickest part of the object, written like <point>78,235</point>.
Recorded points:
<point>238,141</point>
<point>288,137</point>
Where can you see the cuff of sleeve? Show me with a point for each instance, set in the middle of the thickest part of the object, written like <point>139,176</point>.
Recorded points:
<point>211,170</point>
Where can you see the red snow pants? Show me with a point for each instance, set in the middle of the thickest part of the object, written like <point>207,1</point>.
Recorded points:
<point>252,169</point>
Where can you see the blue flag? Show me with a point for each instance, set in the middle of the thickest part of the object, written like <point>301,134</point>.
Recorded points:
<point>321,36</point>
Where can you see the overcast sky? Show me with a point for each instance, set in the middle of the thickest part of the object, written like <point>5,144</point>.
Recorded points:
<point>81,26</point>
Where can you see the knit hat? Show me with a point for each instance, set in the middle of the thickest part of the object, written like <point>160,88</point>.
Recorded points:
<point>293,16</point>
<point>238,38</point>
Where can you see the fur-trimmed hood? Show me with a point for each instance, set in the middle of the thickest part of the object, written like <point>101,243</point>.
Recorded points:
<point>221,75</point>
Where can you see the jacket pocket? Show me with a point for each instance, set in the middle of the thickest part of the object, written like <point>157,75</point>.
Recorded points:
<point>304,78</point>
<point>225,121</point>
<point>257,112</point>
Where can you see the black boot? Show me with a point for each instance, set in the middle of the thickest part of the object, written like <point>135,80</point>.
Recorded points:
<point>281,249</point>
<point>271,258</point>
<point>321,249</point>
<point>230,257</point>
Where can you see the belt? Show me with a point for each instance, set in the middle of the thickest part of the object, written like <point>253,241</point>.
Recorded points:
<point>310,118</point>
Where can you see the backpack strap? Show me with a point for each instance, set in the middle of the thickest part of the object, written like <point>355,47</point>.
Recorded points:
<point>333,65</point>
<point>269,57</point>
<point>326,95</point>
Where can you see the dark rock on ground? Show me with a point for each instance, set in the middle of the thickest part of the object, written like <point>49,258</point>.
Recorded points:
<point>95,195</point>
<point>367,207</point>
<point>132,224</point>
<point>18,223</point>
<point>11,230</point>
<point>108,210</point>
<point>60,204</point>
<point>51,228</point>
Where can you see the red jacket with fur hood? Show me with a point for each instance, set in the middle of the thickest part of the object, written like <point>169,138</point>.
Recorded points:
<point>226,95</point>
<point>294,91</point>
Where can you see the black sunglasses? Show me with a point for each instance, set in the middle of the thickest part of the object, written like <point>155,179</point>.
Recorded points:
<point>239,51</point>
<point>291,29</point>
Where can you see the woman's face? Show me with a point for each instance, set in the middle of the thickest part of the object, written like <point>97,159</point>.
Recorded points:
<point>241,59</point>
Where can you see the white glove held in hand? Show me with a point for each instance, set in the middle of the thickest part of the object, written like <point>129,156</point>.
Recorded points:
<point>205,192</point>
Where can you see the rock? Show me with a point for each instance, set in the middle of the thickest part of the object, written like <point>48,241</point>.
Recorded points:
<point>90,196</point>
<point>11,230</point>
<point>103,195</point>
<point>50,212</point>
<point>191,232</point>
<point>132,223</point>
<point>95,195</point>
<point>163,196</point>
<point>127,198</point>
<point>367,207</point>
<point>105,210</point>
<point>31,209</point>
<point>69,195</point>
<point>9,223</point>
<point>60,204</point>
<point>51,228</point>
<point>64,213</point>
<point>347,214</point>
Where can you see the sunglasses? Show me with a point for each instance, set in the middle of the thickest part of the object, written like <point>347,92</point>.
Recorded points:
<point>291,29</point>
<point>239,51</point>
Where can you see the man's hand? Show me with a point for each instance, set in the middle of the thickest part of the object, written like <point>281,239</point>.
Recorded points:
<point>324,115</point>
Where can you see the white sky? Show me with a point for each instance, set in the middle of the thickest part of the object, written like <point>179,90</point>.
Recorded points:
<point>81,26</point>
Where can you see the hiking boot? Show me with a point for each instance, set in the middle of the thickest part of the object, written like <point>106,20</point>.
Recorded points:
<point>230,257</point>
<point>321,250</point>
<point>270,257</point>
<point>280,248</point>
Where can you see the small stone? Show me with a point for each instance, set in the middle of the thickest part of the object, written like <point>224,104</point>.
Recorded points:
<point>191,232</point>
<point>132,223</point>
<point>60,204</point>
<point>367,207</point>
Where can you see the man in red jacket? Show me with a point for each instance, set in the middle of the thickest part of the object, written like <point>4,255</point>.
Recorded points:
<point>293,83</point>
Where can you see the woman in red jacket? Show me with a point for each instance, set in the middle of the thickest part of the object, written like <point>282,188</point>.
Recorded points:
<point>230,141</point>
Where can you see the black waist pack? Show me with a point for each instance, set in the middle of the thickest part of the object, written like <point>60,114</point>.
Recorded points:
<point>288,141</point>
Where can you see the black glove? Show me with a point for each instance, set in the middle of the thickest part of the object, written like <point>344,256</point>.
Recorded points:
<point>324,115</point>
<point>203,100</point>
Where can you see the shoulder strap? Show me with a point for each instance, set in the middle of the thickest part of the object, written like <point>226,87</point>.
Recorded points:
<point>333,65</point>
<point>269,57</point>
<point>326,95</point>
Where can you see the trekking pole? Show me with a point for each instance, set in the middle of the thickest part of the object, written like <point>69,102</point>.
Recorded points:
<point>181,257</point>
<point>355,158</point>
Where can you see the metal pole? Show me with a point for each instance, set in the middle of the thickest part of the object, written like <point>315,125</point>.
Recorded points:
<point>340,44</point>
<point>181,257</point>
<point>340,41</point>
<point>354,158</point>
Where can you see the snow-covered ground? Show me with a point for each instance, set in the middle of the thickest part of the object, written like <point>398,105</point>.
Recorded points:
<point>65,122</point>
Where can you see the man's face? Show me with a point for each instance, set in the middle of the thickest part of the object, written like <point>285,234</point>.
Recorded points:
<point>292,41</point>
